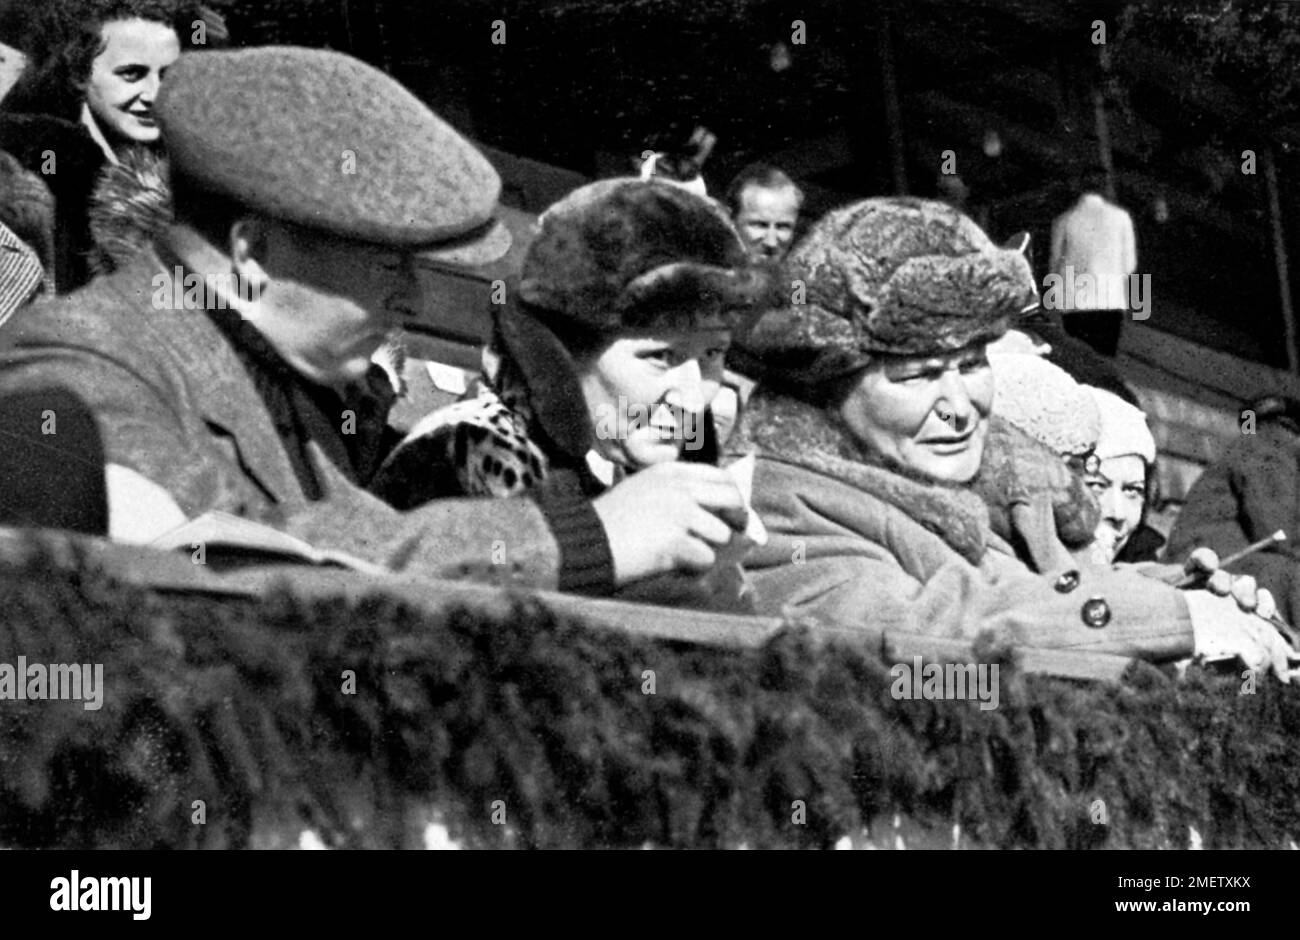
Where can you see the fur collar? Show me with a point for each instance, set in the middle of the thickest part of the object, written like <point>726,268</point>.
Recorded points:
<point>130,207</point>
<point>787,429</point>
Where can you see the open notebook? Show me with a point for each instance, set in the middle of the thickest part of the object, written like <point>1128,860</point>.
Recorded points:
<point>229,540</point>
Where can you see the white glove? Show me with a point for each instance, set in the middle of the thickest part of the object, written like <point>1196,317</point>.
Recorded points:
<point>1221,630</point>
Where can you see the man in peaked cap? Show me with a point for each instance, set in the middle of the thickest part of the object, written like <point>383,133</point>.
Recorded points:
<point>229,368</point>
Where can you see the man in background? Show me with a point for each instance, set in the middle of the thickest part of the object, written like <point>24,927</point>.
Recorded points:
<point>765,204</point>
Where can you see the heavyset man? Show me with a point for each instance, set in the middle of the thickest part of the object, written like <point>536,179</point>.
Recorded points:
<point>304,184</point>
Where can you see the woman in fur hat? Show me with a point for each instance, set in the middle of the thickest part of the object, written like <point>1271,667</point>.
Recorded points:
<point>872,421</point>
<point>608,358</point>
<point>79,123</point>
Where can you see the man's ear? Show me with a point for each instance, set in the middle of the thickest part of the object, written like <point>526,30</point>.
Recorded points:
<point>250,241</point>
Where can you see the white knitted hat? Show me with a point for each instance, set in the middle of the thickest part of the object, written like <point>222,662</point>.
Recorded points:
<point>1042,400</point>
<point>1123,428</point>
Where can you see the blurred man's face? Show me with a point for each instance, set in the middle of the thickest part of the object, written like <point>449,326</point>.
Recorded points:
<point>767,220</point>
<point>327,303</point>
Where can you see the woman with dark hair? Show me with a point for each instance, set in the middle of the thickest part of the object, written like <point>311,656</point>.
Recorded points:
<point>608,359</point>
<point>80,122</point>
<point>872,420</point>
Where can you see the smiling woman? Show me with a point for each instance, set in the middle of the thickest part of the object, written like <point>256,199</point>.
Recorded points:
<point>124,80</point>
<point>80,121</point>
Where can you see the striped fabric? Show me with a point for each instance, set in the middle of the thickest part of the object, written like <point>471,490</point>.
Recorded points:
<point>21,274</point>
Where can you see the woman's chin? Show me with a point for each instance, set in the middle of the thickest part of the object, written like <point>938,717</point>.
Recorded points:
<point>650,451</point>
<point>137,133</point>
<point>957,469</point>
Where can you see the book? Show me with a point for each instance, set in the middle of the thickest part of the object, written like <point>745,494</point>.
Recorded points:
<point>228,541</point>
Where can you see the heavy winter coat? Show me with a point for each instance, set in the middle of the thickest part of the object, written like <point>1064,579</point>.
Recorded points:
<point>866,549</point>
<point>175,403</point>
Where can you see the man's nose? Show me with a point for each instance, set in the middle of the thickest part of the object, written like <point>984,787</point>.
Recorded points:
<point>770,238</point>
<point>687,389</point>
<point>954,406</point>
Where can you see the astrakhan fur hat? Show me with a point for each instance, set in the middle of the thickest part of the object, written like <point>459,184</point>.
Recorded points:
<point>888,277</point>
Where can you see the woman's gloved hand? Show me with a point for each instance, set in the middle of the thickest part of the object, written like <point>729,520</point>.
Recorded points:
<point>1204,563</point>
<point>1222,630</point>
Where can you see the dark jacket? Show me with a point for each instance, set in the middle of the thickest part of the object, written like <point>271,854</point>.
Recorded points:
<point>175,403</point>
<point>81,215</point>
<point>1252,491</point>
<point>60,158</point>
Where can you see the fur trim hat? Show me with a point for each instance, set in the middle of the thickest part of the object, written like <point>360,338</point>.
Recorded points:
<point>624,253</point>
<point>888,276</point>
<point>612,256</point>
<point>1042,400</point>
<point>321,139</point>
<point>1124,428</point>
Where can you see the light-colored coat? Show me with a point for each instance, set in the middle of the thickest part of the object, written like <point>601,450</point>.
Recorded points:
<point>865,550</point>
<point>1095,237</point>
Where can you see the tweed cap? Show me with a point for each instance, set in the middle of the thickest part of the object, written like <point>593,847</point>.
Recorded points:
<point>321,139</point>
<point>888,276</point>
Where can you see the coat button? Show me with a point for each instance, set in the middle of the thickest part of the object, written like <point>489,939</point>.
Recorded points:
<point>1096,613</point>
<point>1067,582</point>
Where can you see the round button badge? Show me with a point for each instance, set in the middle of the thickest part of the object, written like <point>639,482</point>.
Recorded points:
<point>1096,612</point>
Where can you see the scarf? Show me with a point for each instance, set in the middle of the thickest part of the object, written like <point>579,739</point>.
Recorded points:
<point>804,435</point>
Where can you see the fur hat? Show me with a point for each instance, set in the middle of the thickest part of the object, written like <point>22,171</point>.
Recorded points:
<point>617,255</point>
<point>1042,400</point>
<point>624,253</point>
<point>887,276</point>
<point>1124,428</point>
<point>321,139</point>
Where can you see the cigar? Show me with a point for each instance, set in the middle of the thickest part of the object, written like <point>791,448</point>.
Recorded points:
<point>1278,536</point>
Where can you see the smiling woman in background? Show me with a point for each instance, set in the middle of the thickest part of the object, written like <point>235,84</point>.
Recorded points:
<point>84,106</point>
<point>871,421</point>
